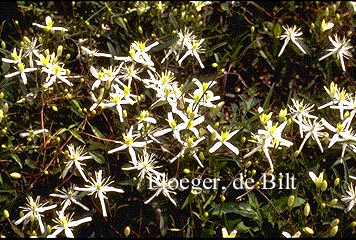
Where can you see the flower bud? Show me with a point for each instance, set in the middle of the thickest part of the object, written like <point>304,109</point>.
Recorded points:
<point>243,140</point>
<point>291,200</point>
<point>201,156</point>
<point>323,185</point>
<point>206,214</point>
<point>54,107</point>
<point>336,181</point>
<point>335,222</point>
<point>333,231</point>
<point>6,213</point>
<point>32,217</point>
<point>59,50</point>
<point>15,175</point>
<point>140,29</point>
<point>308,230</point>
<point>306,209</point>
<point>252,29</point>
<point>127,231</point>
<point>223,198</point>
<point>333,201</point>
<point>5,107</point>
<point>1,95</point>
<point>186,171</point>
<point>67,56</point>
<point>3,45</point>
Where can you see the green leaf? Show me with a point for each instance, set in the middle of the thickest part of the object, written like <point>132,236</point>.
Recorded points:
<point>190,197</point>
<point>76,135</point>
<point>16,158</point>
<point>98,157</point>
<point>268,98</point>
<point>96,131</point>
<point>173,21</point>
<point>30,164</point>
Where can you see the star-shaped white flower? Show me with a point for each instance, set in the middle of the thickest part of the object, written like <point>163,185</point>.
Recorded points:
<point>223,138</point>
<point>341,49</point>
<point>35,208</point>
<point>65,222</point>
<point>291,34</point>
<point>99,186</point>
<point>350,197</point>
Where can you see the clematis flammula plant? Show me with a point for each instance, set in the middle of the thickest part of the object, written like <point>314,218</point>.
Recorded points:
<point>225,233</point>
<point>223,138</point>
<point>66,224</point>
<point>291,34</point>
<point>130,143</point>
<point>49,26</point>
<point>350,197</point>
<point>161,185</point>
<point>341,49</point>
<point>35,208</point>
<point>70,196</point>
<point>99,186</point>
<point>76,156</point>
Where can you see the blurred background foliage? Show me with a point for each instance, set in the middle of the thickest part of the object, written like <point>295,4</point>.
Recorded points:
<point>241,42</point>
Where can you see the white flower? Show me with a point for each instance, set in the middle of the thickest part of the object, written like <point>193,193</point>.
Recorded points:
<point>55,72</point>
<point>138,52</point>
<point>104,75</point>
<point>33,133</point>
<point>341,49</point>
<point>342,133</point>
<point>145,165</point>
<point>49,26</point>
<point>66,223</point>
<point>70,196</point>
<point>16,57</point>
<point>76,156</point>
<point>194,48</point>
<point>130,143</point>
<point>35,208</point>
<point>225,234</point>
<point>313,129</point>
<point>22,70</point>
<point>99,186</point>
<point>95,53</point>
<point>350,198</point>
<point>288,235</point>
<point>291,34</point>
<point>118,98</point>
<point>144,117</point>
<point>223,138</point>
<point>190,145</point>
<point>161,186</point>
<point>316,180</point>
<point>270,137</point>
